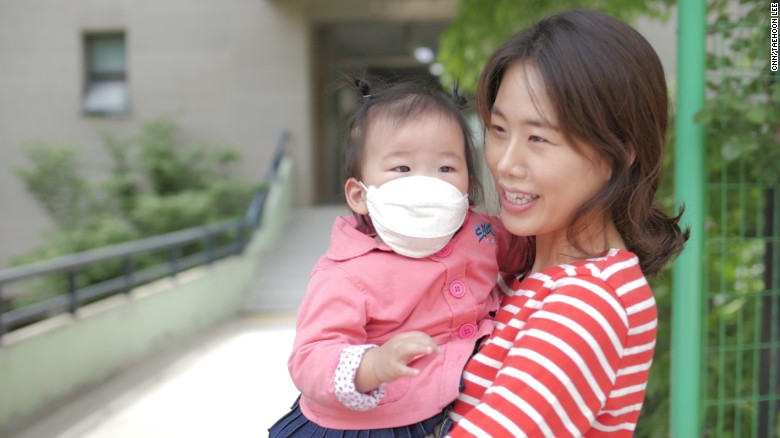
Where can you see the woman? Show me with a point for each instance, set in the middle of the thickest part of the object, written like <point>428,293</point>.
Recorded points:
<point>576,115</point>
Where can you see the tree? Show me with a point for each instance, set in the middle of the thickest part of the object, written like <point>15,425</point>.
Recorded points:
<point>480,26</point>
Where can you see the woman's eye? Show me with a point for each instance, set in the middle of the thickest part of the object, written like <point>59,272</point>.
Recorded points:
<point>446,169</point>
<point>536,139</point>
<point>402,169</point>
<point>497,129</point>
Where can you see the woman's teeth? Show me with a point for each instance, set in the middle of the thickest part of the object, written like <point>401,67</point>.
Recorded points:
<point>519,198</point>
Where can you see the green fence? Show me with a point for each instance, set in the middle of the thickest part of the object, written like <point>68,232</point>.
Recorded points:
<point>741,357</point>
<point>740,299</point>
<point>742,345</point>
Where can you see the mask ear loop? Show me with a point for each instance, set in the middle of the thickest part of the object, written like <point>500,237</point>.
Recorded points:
<point>365,225</point>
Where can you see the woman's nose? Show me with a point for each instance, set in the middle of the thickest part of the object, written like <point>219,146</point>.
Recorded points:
<point>512,161</point>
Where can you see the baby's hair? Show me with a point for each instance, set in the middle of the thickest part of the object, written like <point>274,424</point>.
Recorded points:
<point>364,87</point>
<point>606,87</point>
<point>404,102</point>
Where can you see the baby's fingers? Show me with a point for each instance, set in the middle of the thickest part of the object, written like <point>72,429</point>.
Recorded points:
<point>423,343</point>
<point>401,370</point>
<point>393,368</point>
<point>411,350</point>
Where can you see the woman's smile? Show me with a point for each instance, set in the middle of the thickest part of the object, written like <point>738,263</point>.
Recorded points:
<point>519,198</point>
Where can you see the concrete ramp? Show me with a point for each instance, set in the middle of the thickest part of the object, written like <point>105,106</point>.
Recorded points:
<point>228,382</point>
<point>284,272</point>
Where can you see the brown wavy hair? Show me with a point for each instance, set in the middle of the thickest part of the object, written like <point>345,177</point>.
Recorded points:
<point>606,86</point>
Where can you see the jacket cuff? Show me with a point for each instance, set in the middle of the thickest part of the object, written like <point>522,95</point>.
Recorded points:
<point>344,380</point>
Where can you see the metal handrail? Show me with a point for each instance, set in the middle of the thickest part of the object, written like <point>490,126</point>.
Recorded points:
<point>73,262</point>
<point>71,265</point>
<point>254,213</point>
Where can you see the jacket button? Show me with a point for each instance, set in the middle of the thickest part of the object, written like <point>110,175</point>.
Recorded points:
<point>457,289</point>
<point>467,331</point>
<point>446,251</point>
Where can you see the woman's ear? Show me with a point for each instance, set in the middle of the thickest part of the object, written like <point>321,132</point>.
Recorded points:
<point>356,196</point>
<point>631,156</point>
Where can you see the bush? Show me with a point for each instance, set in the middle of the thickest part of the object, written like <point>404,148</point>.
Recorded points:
<point>157,185</point>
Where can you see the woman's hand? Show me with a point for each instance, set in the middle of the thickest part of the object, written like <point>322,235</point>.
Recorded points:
<point>390,361</point>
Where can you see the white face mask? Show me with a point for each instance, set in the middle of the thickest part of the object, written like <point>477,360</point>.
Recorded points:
<point>416,215</point>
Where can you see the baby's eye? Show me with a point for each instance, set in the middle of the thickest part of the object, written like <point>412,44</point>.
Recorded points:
<point>402,169</point>
<point>446,169</point>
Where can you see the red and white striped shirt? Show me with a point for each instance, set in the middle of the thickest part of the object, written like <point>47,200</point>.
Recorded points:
<point>570,355</point>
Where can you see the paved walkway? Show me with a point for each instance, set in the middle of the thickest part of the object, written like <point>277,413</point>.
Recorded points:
<point>231,382</point>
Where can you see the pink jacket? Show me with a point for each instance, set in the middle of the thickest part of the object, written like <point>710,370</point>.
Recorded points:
<point>360,292</point>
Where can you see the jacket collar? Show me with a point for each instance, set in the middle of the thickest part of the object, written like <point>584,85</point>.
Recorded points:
<point>347,242</point>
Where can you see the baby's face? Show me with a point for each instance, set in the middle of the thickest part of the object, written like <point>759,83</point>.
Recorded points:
<point>431,146</point>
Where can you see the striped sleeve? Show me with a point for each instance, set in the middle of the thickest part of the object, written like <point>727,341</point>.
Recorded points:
<point>619,416</point>
<point>558,369</point>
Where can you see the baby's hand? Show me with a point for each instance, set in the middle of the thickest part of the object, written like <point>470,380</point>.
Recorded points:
<point>390,361</point>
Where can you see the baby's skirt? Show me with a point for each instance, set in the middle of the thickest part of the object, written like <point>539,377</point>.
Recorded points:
<point>295,424</point>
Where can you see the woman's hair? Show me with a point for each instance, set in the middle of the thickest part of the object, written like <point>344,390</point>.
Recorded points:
<point>405,102</point>
<point>607,90</point>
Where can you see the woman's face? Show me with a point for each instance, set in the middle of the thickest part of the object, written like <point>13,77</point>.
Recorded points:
<point>540,177</point>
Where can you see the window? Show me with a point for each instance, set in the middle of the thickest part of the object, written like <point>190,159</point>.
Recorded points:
<point>105,89</point>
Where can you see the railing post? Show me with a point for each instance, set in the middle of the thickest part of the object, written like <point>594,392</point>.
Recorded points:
<point>2,313</point>
<point>688,281</point>
<point>175,255</point>
<point>239,245</point>
<point>73,300</point>
<point>128,270</point>
<point>209,247</point>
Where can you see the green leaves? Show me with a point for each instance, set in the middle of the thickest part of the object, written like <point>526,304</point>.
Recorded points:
<point>742,112</point>
<point>55,182</point>
<point>480,26</point>
<point>742,121</point>
<point>157,184</point>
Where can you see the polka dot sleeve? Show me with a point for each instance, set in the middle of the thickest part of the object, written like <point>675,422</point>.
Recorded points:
<point>344,380</point>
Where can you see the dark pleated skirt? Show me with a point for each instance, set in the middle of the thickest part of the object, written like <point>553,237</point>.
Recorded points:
<point>295,424</point>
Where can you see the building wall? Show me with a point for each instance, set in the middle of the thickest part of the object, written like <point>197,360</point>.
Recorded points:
<point>233,73</point>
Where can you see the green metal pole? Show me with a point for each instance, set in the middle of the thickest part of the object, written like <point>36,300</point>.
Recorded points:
<point>689,189</point>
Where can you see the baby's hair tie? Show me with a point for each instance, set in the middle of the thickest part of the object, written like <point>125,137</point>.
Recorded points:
<point>459,100</point>
<point>365,89</point>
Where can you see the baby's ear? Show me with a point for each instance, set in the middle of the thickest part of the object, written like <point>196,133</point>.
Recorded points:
<point>356,196</point>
